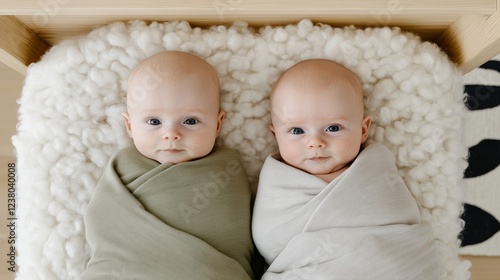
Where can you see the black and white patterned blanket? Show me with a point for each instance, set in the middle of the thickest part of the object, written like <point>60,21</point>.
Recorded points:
<point>482,127</point>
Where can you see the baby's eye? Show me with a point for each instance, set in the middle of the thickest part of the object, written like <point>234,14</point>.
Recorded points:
<point>154,121</point>
<point>297,131</point>
<point>191,121</point>
<point>333,128</point>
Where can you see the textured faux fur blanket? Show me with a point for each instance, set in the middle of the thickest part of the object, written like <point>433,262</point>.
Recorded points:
<point>70,120</point>
<point>161,221</point>
<point>364,224</point>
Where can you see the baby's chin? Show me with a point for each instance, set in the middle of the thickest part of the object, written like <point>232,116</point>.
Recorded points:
<point>169,159</point>
<point>316,169</point>
<point>177,159</point>
<point>327,172</point>
<point>313,171</point>
<point>328,177</point>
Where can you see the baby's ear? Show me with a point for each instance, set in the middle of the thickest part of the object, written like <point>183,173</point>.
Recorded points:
<point>128,126</point>
<point>220,118</point>
<point>365,128</point>
<point>271,127</point>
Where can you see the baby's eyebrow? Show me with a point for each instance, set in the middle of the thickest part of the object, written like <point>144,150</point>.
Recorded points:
<point>194,111</point>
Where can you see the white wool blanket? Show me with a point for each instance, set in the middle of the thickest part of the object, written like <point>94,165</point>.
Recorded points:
<point>364,224</point>
<point>70,120</point>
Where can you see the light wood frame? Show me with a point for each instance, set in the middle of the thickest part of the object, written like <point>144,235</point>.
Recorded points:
<point>469,31</point>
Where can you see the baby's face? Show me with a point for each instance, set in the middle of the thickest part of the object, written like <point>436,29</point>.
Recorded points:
<point>177,120</point>
<point>318,123</point>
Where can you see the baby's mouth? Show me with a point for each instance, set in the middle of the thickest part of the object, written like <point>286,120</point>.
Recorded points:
<point>172,150</point>
<point>318,158</point>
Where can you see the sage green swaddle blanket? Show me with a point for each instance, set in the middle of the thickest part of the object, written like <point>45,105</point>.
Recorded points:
<point>191,220</point>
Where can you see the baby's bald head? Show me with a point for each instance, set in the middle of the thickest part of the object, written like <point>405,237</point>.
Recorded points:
<point>160,70</point>
<point>309,79</point>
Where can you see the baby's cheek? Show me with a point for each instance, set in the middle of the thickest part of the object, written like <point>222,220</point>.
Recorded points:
<point>289,152</point>
<point>201,146</point>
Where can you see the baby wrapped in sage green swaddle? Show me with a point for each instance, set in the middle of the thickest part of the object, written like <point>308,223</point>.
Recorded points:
<point>172,206</point>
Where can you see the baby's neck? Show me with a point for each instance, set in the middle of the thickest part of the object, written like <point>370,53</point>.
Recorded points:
<point>331,176</point>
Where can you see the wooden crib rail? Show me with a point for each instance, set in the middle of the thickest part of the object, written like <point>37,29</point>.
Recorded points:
<point>469,31</point>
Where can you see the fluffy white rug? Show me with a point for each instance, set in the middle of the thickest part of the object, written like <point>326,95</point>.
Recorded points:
<point>70,120</point>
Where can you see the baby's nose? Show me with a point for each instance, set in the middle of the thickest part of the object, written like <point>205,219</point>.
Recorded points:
<point>316,142</point>
<point>172,134</point>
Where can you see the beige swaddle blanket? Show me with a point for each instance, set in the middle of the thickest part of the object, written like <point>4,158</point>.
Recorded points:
<point>365,224</point>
